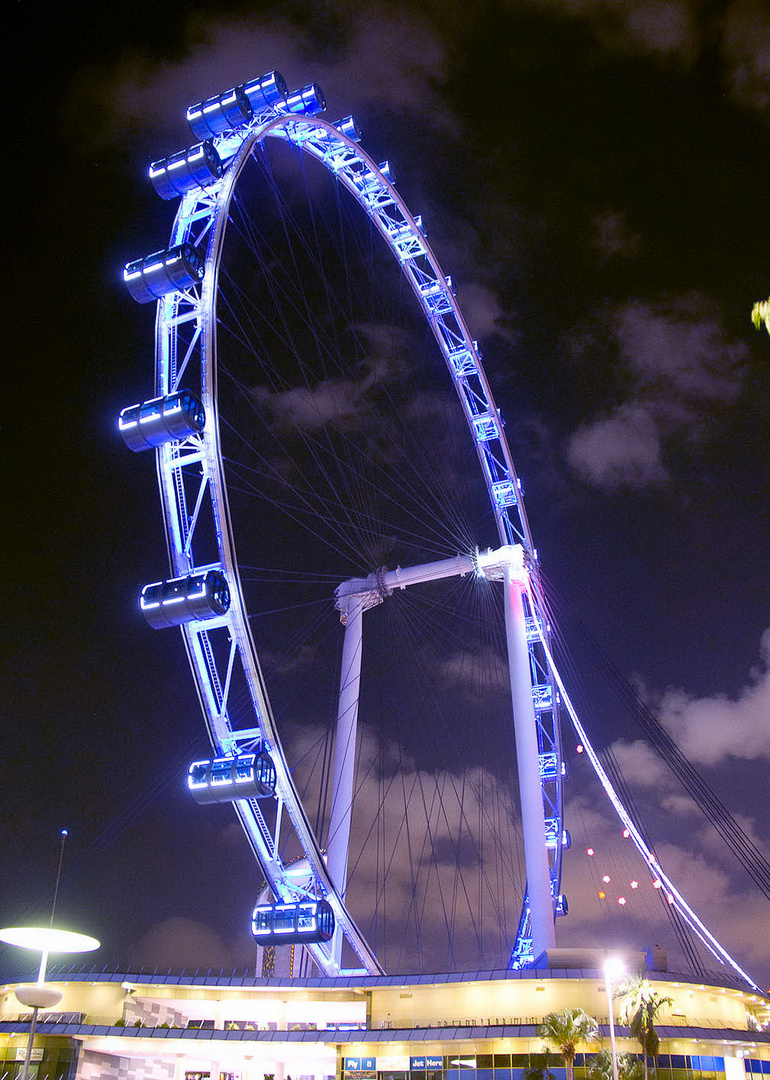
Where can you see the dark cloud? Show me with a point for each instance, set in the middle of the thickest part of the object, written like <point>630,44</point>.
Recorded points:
<point>179,942</point>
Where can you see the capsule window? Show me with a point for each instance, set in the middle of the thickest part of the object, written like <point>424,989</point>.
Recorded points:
<point>221,772</point>
<point>244,768</point>
<point>262,922</point>
<point>283,919</point>
<point>198,773</point>
<point>306,917</point>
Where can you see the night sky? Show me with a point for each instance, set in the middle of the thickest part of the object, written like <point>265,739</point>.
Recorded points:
<point>594,175</point>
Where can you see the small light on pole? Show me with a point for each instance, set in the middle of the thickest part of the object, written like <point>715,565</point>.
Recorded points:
<point>613,969</point>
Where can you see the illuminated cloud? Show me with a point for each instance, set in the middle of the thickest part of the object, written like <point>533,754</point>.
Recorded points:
<point>658,27</point>
<point>344,402</point>
<point>621,450</point>
<point>341,402</point>
<point>746,47</point>
<point>680,346</point>
<point>710,729</point>
<point>483,311</point>
<point>473,673</point>
<point>613,236</point>
<point>681,366</point>
<point>638,760</point>
<point>408,820</point>
<point>390,57</point>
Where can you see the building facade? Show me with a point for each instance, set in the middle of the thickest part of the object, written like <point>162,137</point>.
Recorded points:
<point>461,1026</point>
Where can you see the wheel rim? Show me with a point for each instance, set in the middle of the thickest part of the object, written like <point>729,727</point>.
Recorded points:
<point>186,336</point>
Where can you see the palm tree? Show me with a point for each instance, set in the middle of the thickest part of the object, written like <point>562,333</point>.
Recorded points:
<point>565,1030</point>
<point>629,1067</point>
<point>639,1009</point>
<point>539,1067</point>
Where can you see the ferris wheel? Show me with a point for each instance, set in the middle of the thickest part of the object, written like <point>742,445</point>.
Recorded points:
<point>303,436</point>
<point>282,331</point>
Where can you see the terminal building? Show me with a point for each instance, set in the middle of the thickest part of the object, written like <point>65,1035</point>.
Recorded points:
<point>135,1025</point>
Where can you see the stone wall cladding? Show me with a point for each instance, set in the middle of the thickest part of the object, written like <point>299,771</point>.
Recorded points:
<point>95,1066</point>
<point>152,1013</point>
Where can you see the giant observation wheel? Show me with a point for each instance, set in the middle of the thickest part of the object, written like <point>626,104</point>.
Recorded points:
<point>203,305</point>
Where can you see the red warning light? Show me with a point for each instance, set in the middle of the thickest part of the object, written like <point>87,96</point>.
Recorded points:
<point>589,851</point>
<point>657,884</point>
<point>634,884</point>
<point>626,834</point>
<point>606,879</point>
<point>670,897</point>
<point>622,901</point>
<point>578,749</point>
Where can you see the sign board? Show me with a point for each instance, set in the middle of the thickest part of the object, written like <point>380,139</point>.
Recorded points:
<point>425,1061</point>
<point>360,1064</point>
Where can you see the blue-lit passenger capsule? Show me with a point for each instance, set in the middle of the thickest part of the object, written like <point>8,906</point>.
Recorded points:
<point>308,101</point>
<point>387,171</point>
<point>223,112</point>
<point>350,128</point>
<point>306,922</point>
<point>197,167</point>
<point>225,779</point>
<point>266,91</point>
<point>187,599</point>
<point>155,422</point>
<point>164,272</point>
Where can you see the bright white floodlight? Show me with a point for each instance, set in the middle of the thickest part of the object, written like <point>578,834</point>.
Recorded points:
<point>48,939</point>
<point>613,969</point>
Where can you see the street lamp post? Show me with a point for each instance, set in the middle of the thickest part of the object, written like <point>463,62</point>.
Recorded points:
<point>613,968</point>
<point>45,940</point>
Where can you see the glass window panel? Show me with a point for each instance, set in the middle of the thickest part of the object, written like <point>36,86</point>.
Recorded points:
<point>221,772</point>
<point>244,767</point>
<point>283,917</point>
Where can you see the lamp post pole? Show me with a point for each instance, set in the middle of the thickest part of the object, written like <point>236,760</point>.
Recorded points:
<point>613,967</point>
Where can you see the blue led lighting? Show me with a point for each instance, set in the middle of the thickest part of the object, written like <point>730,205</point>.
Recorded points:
<point>542,696</point>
